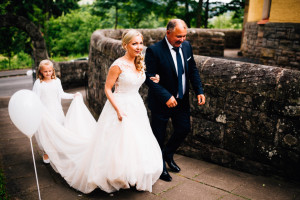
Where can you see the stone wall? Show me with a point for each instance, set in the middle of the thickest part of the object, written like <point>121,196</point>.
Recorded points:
<point>204,41</point>
<point>251,118</point>
<point>276,44</point>
<point>105,47</point>
<point>233,38</point>
<point>72,73</point>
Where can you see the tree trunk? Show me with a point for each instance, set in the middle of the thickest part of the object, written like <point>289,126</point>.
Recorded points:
<point>206,13</point>
<point>116,22</point>
<point>187,15</point>
<point>9,62</point>
<point>199,14</point>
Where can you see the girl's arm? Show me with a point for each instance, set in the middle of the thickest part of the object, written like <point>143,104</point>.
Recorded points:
<point>111,79</point>
<point>63,94</point>
<point>36,87</point>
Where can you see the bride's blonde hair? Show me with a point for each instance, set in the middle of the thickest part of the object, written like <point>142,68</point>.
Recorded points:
<point>126,38</point>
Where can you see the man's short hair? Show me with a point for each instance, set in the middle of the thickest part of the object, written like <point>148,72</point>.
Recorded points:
<point>173,22</point>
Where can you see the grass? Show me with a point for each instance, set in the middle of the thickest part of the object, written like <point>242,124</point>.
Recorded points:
<point>3,192</point>
<point>19,61</point>
<point>67,58</point>
<point>24,61</point>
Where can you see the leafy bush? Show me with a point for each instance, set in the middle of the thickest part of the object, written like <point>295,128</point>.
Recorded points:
<point>70,34</point>
<point>24,60</point>
<point>226,21</point>
<point>19,61</point>
<point>3,193</point>
<point>68,58</point>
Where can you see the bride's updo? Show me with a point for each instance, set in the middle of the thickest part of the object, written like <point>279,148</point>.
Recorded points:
<point>126,38</point>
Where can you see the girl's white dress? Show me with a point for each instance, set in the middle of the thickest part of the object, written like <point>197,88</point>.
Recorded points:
<point>51,94</point>
<point>109,154</point>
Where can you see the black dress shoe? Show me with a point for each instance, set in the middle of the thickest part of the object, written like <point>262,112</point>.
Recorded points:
<point>171,163</point>
<point>165,176</point>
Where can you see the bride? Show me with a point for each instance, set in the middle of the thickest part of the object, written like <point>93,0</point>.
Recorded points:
<point>118,151</point>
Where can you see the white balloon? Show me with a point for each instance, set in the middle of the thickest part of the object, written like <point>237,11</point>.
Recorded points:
<point>25,110</point>
<point>29,72</point>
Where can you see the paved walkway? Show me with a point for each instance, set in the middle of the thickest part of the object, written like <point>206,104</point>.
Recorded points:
<point>17,72</point>
<point>198,180</point>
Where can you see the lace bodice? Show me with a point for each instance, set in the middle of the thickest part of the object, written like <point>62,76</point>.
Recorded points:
<point>128,81</point>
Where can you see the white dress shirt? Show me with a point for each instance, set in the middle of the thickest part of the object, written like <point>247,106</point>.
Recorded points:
<point>173,53</point>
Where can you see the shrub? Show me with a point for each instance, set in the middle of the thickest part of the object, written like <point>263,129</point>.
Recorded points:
<point>19,61</point>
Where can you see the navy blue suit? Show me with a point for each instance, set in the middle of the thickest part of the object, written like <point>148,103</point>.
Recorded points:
<point>159,60</point>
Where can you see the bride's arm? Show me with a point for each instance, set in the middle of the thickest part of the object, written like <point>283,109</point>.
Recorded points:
<point>111,79</point>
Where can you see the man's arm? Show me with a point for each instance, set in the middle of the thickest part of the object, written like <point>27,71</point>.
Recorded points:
<point>152,65</point>
<point>194,75</point>
<point>195,79</point>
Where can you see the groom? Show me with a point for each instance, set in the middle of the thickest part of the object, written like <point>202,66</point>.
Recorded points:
<point>172,59</point>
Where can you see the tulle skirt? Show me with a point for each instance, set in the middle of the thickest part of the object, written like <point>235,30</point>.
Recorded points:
<point>109,154</point>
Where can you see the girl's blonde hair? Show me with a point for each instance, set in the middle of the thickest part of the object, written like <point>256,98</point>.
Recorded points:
<point>126,38</point>
<point>42,64</point>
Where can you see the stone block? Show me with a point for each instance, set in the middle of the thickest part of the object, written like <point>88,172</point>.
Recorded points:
<point>260,34</point>
<point>285,43</point>
<point>269,53</point>
<point>295,64</point>
<point>290,140</point>
<point>296,45</point>
<point>282,60</point>
<point>281,35</point>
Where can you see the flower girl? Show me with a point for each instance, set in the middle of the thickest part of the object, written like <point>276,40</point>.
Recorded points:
<point>48,87</point>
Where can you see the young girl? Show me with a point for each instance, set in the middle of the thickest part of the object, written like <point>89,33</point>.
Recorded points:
<point>48,87</point>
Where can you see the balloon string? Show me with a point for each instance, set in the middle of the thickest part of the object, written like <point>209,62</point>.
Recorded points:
<point>36,177</point>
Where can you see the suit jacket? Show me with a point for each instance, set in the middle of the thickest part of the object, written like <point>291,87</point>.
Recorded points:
<point>159,60</point>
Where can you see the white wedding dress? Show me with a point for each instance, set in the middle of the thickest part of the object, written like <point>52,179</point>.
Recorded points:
<point>109,154</point>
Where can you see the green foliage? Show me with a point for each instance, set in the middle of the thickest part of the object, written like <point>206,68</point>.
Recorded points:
<point>125,13</point>
<point>20,61</point>
<point>70,34</point>
<point>3,5</point>
<point>3,193</point>
<point>137,14</point>
<point>152,21</point>
<point>15,41</point>
<point>69,57</point>
<point>67,29</point>
<point>23,60</point>
<point>36,11</point>
<point>225,21</point>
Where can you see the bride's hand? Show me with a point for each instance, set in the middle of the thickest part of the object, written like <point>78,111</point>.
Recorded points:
<point>121,115</point>
<point>77,94</point>
<point>155,78</point>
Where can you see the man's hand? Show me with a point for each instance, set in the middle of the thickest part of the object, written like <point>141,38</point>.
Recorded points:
<point>77,94</point>
<point>171,103</point>
<point>201,99</point>
<point>155,78</point>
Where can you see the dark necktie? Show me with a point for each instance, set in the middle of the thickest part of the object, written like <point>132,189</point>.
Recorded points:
<point>180,72</point>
